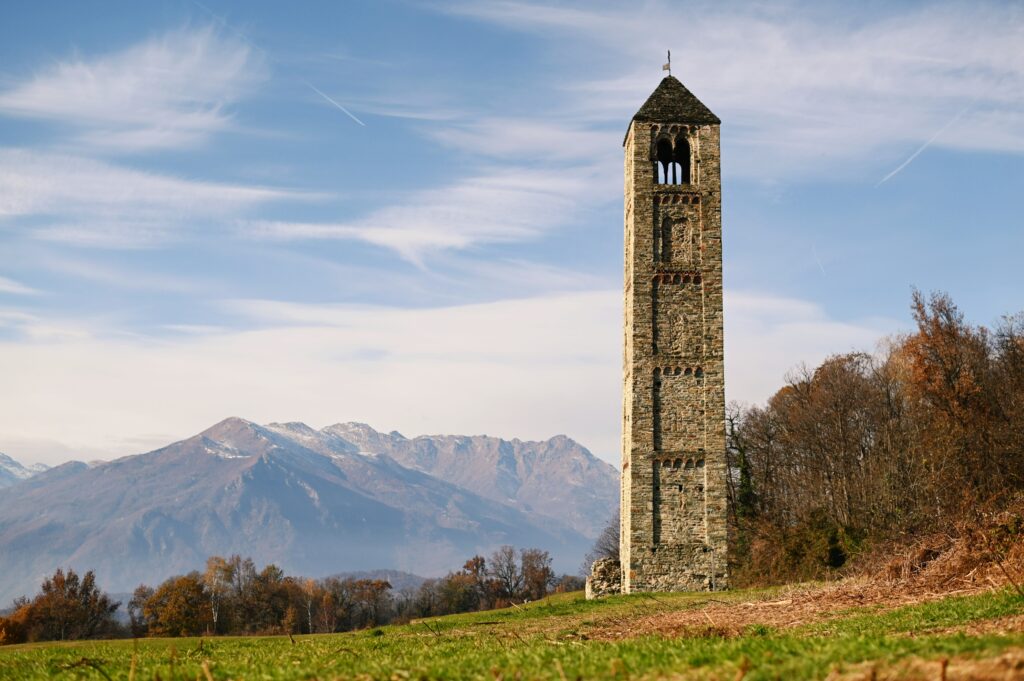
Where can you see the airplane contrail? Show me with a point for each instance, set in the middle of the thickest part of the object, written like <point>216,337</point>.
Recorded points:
<point>814,252</point>
<point>343,109</point>
<point>926,144</point>
<point>222,21</point>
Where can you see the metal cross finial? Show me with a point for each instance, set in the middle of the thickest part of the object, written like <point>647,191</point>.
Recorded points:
<point>667,66</point>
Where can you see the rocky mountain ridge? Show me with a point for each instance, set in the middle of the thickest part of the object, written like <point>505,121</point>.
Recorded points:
<point>12,472</point>
<point>315,502</point>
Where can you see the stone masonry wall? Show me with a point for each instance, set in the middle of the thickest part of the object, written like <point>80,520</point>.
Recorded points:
<point>673,519</point>
<point>605,578</point>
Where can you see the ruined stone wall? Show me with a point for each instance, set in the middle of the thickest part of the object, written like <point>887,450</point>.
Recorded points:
<point>605,578</point>
<point>673,447</point>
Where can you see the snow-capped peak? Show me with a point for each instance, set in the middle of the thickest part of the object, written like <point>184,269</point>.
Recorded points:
<point>11,471</point>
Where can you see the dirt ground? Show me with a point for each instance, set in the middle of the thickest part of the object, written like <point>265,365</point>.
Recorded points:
<point>930,569</point>
<point>1007,667</point>
<point>797,606</point>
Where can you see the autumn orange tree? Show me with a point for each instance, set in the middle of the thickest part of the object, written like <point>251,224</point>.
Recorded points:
<point>868,447</point>
<point>179,607</point>
<point>67,607</point>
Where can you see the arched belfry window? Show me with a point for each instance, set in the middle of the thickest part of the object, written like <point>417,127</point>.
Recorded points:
<point>663,160</point>
<point>681,161</point>
<point>672,161</point>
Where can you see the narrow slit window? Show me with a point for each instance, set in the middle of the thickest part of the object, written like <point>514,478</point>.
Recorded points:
<point>666,240</point>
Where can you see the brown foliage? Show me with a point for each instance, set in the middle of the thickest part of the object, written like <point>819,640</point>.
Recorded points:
<point>67,607</point>
<point>232,597</point>
<point>15,627</point>
<point>867,449</point>
<point>179,607</point>
<point>537,573</point>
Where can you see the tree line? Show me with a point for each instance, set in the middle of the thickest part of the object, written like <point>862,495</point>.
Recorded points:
<point>873,448</point>
<point>232,596</point>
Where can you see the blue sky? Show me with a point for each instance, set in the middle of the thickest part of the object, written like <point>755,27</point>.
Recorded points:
<point>410,214</point>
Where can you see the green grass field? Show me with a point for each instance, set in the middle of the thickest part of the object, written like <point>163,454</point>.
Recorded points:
<point>561,638</point>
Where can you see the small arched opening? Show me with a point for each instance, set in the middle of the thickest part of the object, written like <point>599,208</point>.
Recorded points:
<point>663,160</point>
<point>681,161</point>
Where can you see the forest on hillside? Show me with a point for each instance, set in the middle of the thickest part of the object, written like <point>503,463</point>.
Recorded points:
<point>871,451</point>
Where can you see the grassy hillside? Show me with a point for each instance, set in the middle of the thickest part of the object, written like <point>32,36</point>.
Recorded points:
<point>847,630</point>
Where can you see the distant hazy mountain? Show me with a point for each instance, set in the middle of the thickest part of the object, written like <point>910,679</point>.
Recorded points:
<point>12,472</point>
<point>341,499</point>
<point>400,581</point>
<point>557,478</point>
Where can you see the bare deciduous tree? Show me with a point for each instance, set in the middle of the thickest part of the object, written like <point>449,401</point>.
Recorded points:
<point>868,447</point>
<point>504,569</point>
<point>605,546</point>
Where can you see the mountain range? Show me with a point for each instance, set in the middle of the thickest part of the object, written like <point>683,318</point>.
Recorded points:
<point>12,472</point>
<point>315,502</point>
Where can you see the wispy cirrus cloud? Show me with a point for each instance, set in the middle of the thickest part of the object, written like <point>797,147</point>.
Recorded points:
<point>85,201</point>
<point>496,207</point>
<point>116,275</point>
<point>533,139</point>
<point>811,90</point>
<point>11,286</point>
<point>803,94</point>
<point>37,328</point>
<point>169,91</point>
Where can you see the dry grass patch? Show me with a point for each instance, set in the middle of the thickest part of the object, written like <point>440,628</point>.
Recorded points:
<point>784,609</point>
<point>1006,667</point>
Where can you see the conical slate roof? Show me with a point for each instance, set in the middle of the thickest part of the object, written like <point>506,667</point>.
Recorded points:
<point>671,102</point>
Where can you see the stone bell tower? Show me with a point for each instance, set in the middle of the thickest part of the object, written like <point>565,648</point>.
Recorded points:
<point>673,523</point>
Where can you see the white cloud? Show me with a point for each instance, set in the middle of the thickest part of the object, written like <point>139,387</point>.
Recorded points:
<point>767,336</point>
<point>532,139</point>
<point>526,368</point>
<point>117,276</point>
<point>798,90</point>
<point>501,206</point>
<point>802,94</point>
<point>33,328</point>
<point>167,92</point>
<point>526,278</point>
<point>80,200</point>
<point>10,286</point>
